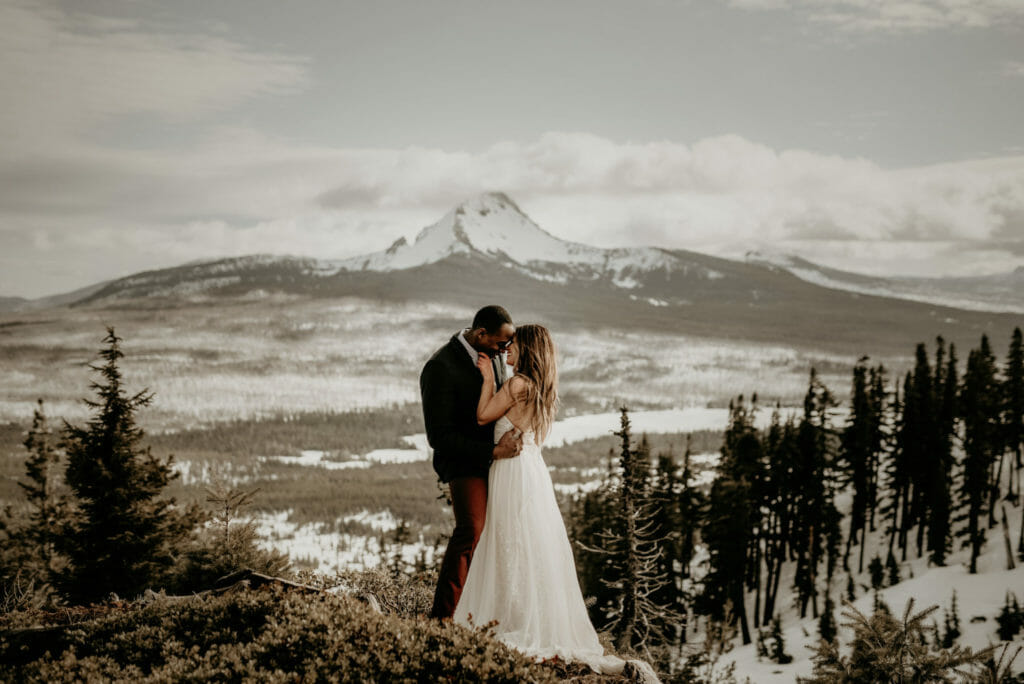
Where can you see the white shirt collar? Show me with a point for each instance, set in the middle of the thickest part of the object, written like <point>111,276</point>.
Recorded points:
<point>473,354</point>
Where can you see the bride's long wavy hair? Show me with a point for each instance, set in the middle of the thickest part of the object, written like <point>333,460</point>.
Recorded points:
<point>537,364</point>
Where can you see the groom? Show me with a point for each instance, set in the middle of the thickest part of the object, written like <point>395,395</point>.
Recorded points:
<point>463,450</point>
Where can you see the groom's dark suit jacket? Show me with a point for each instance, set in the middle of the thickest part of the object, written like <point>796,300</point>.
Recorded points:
<point>450,387</point>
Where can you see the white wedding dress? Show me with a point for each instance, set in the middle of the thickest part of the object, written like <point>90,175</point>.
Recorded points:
<point>523,573</point>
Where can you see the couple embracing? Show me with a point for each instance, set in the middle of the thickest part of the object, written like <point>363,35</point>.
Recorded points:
<point>489,400</point>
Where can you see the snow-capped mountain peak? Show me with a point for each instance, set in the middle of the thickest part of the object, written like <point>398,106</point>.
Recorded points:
<point>491,225</point>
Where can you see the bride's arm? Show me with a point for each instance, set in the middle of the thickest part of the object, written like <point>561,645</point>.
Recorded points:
<point>491,406</point>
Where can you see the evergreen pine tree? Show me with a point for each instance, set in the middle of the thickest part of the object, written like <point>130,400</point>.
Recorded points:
<point>1013,408</point>
<point>856,456</point>
<point>877,572</point>
<point>815,517</point>
<point>120,536</point>
<point>631,548</point>
<point>228,544</point>
<point>897,481</point>
<point>691,503</point>
<point>951,625</point>
<point>668,527</point>
<point>827,622</point>
<point>940,497</point>
<point>779,444</point>
<point>400,537</point>
<point>725,532</point>
<point>892,570</point>
<point>1020,542</point>
<point>881,439</point>
<point>978,406</point>
<point>920,408</point>
<point>885,649</point>
<point>777,647</point>
<point>1010,618</point>
<point>729,521</point>
<point>46,510</point>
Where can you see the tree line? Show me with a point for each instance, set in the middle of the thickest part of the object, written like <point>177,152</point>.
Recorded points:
<point>925,461</point>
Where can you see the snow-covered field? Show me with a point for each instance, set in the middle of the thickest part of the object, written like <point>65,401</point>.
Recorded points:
<point>293,356</point>
<point>329,550</point>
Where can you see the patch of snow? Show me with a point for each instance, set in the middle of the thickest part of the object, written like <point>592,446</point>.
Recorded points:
<point>193,287</point>
<point>382,521</point>
<point>312,457</point>
<point>690,419</point>
<point>206,472</point>
<point>420,451</point>
<point>330,551</point>
<point>577,488</point>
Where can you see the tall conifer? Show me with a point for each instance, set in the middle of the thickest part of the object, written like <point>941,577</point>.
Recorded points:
<point>940,495</point>
<point>121,536</point>
<point>46,509</point>
<point>979,410</point>
<point>1013,408</point>
<point>856,455</point>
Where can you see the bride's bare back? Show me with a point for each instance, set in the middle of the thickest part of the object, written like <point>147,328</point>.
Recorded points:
<point>519,413</point>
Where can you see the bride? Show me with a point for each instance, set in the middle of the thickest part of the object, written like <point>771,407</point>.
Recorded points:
<point>523,573</point>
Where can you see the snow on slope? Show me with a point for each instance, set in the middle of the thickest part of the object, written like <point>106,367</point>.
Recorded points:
<point>953,293</point>
<point>981,595</point>
<point>493,225</point>
<point>979,599</point>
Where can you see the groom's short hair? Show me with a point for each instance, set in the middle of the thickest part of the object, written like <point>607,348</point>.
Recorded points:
<point>491,318</point>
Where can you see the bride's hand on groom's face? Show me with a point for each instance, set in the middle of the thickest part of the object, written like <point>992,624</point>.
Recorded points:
<point>483,363</point>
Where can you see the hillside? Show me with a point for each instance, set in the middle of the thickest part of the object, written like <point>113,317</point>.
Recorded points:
<point>996,292</point>
<point>979,598</point>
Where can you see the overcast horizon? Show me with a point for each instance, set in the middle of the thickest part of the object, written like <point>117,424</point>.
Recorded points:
<point>881,138</point>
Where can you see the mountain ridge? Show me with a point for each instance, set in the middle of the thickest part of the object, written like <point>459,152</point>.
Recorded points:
<point>998,292</point>
<point>487,250</point>
<point>493,228</point>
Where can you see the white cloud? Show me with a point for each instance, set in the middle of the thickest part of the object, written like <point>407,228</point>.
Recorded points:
<point>1013,68</point>
<point>240,192</point>
<point>64,72</point>
<point>898,16</point>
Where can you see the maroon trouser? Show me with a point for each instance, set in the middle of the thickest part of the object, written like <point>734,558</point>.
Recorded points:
<point>469,503</point>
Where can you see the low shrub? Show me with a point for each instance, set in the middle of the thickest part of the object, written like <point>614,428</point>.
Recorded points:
<point>405,595</point>
<point>271,635</point>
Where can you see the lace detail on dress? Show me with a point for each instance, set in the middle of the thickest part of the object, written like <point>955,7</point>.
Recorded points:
<point>504,424</point>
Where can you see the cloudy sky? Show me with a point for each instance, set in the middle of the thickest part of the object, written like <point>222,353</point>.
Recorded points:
<point>882,136</point>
